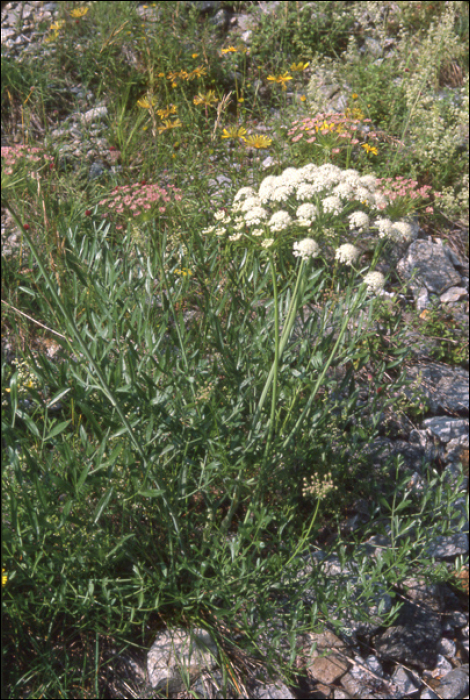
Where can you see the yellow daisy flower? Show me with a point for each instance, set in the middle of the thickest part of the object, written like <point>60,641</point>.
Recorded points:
<point>197,72</point>
<point>167,124</point>
<point>231,49</point>
<point>234,132</point>
<point>79,12</point>
<point>207,99</point>
<point>282,79</point>
<point>299,67</point>
<point>165,113</point>
<point>145,103</point>
<point>369,149</point>
<point>257,141</point>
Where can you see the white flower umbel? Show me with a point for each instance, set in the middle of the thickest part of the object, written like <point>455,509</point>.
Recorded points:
<point>279,221</point>
<point>305,191</point>
<point>256,216</point>
<point>368,181</point>
<point>401,231</point>
<point>281,194</point>
<point>307,212</point>
<point>375,281</point>
<point>235,237</point>
<point>244,193</point>
<point>344,190</point>
<point>362,194</point>
<point>257,232</point>
<point>268,186</point>
<point>267,243</point>
<point>332,205</point>
<point>347,254</point>
<point>384,226</point>
<point>249,203</point>
<point>359,221</point>
<point>380,201</point>
<point>308,248</point>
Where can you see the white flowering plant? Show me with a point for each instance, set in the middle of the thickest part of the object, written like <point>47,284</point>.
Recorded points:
<point>334,207</point>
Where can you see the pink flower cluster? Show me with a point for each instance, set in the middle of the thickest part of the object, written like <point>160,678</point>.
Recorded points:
<point>13,155</point>
<point>138,198</point>
<point>339,124</point>
<point>406,192</point>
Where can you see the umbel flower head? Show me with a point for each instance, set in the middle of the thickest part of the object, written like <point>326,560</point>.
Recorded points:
<point>347,254</point>
<point>308,248</point>
<point>375,281</point>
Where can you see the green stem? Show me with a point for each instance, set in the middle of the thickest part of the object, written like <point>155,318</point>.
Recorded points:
<point>291,314</point>
<point>104,386</point>
<point>272,376</point>
<point>304,539</point>
<point>276,358</point>
<point>319,381</point>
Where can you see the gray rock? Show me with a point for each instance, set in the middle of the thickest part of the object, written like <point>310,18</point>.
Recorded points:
<point>177,648</point>
<point>454,684</point>
<point>454,294</point>
<point>446,429</point>
<point>415,635</point>
<point>432,267</point>
<point>404,681</point>
<point>277,691</point>
<point>452,546</point>
<point>445,388</point>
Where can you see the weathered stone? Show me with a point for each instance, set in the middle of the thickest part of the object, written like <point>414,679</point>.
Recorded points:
<point>431,265</point>
<point>454,684</point>
<point>445,388</point>
<point>175,649</point>
<point>446,428</point>
<point>327,669</point>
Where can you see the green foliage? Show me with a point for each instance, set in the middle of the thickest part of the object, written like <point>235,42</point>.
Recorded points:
<point>298,31</point>
<point>440,326</point>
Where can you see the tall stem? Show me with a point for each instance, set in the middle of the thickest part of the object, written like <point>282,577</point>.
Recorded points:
<point>276,357</point>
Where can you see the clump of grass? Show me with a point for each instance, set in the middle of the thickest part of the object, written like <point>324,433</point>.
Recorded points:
<point>201,420</point>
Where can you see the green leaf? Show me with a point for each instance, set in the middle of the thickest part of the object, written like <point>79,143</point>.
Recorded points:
<point>102,505</point>
<point>57,429</point>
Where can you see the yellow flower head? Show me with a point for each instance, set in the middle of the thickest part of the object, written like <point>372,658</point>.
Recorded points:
<point>79,12</point>
<point>51,37</point>
<point>207,99</point>
<point>167,124</point>
<point>257,141</point>
<point>194,55</point>
<point>299,67</point>
<point>282,79</point>
<point>165,113</point>
<point>234,132</point>
<point>197,72</point>
<point>231,49</point>
<point>145,103</point>
<point>4,577</point>
<point>369,149</point>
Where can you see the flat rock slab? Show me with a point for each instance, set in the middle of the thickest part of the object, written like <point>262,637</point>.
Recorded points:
<point>445,388</point>
<point>430,265</point>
